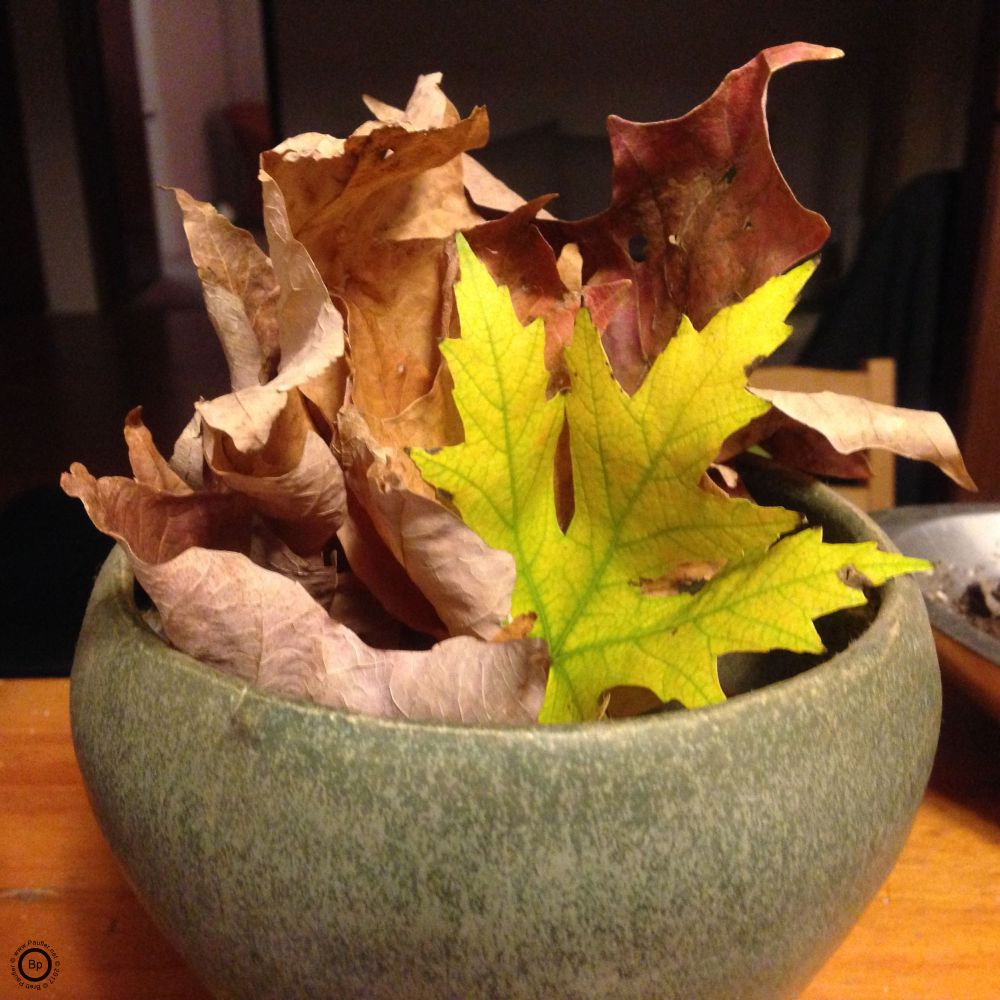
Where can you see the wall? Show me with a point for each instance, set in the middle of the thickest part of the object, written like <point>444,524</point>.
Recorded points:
<point>50,142</point>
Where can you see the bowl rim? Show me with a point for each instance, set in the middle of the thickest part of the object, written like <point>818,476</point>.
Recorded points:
<point>898,521</point>
<point>113,594</point>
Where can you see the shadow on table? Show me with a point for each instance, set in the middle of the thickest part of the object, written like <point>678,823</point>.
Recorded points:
<point>967,766</point>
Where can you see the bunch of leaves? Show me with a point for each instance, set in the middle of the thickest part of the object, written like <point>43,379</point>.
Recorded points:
<point>564,415</point>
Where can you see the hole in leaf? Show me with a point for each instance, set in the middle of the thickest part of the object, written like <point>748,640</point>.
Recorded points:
<point>562,476</point>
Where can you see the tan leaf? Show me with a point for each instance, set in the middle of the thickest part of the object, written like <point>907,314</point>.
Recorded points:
<point>434,203</point>
<point>311,336</point>
<point>468,583</point>
<point>240,290</point>
<point>223,609</point>
<point>851,425</point>
<point>310,329</point>
<point>517,628</point>
<point>245,416</point>
<point>456,681</point>
<point>293,479</point>
<point>395,312</point>
<point>369,187</point>
<point>375,212</point>
<point>570,267</point>
<point>149,467</point>
<point>156,526</point>
<point>431,421</point>
<point>796,446</point>
<point>426,108</point>
<point>188,458</point>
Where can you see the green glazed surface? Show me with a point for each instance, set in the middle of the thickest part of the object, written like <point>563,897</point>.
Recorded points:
<point>293,851</point>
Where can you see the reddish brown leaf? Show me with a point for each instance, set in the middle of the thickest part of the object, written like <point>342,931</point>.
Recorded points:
<point>703,208</point>
<point>155,526</point>
<point>518,257</point>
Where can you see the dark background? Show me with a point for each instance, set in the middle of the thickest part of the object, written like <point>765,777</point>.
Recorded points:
<point>102,100</point>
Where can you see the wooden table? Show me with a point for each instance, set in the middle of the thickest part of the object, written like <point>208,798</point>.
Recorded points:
<point>931,933</point>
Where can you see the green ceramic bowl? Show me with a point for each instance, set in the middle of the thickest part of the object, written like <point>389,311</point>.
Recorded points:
<point>293,851</point>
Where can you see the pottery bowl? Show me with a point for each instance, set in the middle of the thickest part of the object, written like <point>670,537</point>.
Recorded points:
<point>293,851</point>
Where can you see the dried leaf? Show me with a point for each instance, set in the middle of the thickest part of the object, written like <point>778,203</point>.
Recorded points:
<point>293,479</point>
<point>517,628</point>
<point>374,563</point>
<point>355,606</point>
<point>570,267</point>
<point>428,422</point>
<point>223,609</point>
<point>372,185</point>
<point>156,526</point>
<point>426,108</point>
<point>467,583</point>
<point>395,310</point>
<point>795,446</point>
<point>700,215</point>
<point>519,258</point>
<point>375,212</point>
<point>240,291</point>
<point>851,424</point>
<point>311,337</point>
<point>188,458</point>
<point>684,578</point>
<point>615,311</point>
<point>149,467</point>
<point>310,329</point>
<point>489,192</point>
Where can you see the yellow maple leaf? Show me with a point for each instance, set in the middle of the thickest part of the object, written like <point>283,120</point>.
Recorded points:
<point>639,510</point>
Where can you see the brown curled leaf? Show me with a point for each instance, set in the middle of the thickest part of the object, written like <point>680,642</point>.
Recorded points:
<point>155,526</point>
<point>223,609</point>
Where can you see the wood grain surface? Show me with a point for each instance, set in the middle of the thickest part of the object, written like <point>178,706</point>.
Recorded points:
<point>931,933</point>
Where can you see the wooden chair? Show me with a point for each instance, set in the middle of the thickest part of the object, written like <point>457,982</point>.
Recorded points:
<point>875,382</point>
